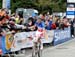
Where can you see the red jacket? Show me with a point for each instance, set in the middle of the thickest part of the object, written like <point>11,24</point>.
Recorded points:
<point>53,26</point>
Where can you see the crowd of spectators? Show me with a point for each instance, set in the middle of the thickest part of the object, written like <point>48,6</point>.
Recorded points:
<point>14,23</point>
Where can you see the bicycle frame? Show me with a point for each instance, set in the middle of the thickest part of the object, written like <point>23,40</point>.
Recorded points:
<point>37,49</point>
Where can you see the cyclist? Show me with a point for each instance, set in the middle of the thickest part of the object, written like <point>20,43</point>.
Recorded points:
<point>40,31</point>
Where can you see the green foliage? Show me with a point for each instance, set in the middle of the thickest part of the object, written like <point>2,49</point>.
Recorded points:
<point>41,5</point>
<point>0,4</point>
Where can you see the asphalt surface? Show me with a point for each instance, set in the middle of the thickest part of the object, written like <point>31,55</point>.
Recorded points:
<point>66,49</point>
<point>63,50</point>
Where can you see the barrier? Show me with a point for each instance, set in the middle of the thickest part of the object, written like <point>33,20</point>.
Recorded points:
<point>21,40</point>
<point>3,49</point>
<point>6,42</point>
<point>48,36</point>
<point>12,43</point>
<point>61,36</point>
<point>9,40</point>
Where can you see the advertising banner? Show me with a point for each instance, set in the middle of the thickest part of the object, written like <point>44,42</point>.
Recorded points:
<point>70,12</point>
<point>5,44</point>
<point>61,36</point>
<point>8,4</point>
<point>70,1</point>
<point>9,40</point>
<point>2,45</point>
<point>23,40</point>
<point>48,36</point>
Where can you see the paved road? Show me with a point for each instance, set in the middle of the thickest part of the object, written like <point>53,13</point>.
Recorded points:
<point>66,49</point>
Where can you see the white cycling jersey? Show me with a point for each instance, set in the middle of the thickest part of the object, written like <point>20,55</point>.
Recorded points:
<point>39,34</point>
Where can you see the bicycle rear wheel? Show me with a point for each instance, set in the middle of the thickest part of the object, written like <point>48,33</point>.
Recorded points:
<point>34,52</point>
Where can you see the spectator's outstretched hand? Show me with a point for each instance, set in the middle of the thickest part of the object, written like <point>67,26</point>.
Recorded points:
<point>24,27</point>
<point>13,31</point>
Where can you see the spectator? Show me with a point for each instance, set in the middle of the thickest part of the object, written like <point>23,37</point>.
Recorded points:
<point>74,20</point>
<point>30,26</point>
<point>32,19</point>
<point>57,23</point>
<point>48,24</point>
<point>17,19</point>
<point>42,16</point>
<point>61,24</point>
<point>2,14</point>
<point>1,29</point>
<point>45,21</point>
<point>21,21</point>
<point>66,22</point>
<point>74,26</point>
<point>53,26</point>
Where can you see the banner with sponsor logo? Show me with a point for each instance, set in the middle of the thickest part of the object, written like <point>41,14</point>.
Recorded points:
<point>2,45</point>
<point>21,40</point>
<point>70,1</point>
<point>70,12</point>
<point>9,40</point>
<point>25,39</point>
<point>61,36</point>
<point>5,43</point>
<point>49,34</point>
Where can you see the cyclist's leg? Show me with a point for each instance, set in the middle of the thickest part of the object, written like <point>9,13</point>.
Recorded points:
<point>34,49</point>
<point>41,44</point>
<point>40,48</point>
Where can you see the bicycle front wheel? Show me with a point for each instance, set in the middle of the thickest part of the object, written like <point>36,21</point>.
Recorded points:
<point>39,52</point>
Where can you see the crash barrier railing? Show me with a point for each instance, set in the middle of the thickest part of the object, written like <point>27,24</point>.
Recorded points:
<point>11,43</point>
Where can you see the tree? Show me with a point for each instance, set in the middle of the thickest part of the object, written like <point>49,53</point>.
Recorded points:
<point>41,5</point>
<point>0,3</point>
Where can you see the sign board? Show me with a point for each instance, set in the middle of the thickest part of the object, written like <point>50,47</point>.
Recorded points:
<point>7,4</point>
<point>71,1</point>
<point>70,9</point>
<point>70,16</point>
<point>70,12</point>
